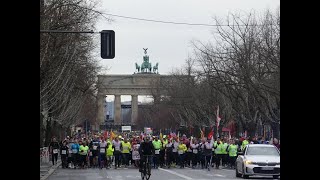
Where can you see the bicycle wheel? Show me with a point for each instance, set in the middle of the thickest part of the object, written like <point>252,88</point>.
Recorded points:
<point>143,172</point>
<point>148,171</point>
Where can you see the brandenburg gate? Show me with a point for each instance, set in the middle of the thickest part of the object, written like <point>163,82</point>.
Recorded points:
<point>142,82</point>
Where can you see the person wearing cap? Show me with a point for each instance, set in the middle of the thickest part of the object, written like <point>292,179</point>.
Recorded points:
<point>157,146</point>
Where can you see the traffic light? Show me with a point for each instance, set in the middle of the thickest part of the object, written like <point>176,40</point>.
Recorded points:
<point>107,44</point>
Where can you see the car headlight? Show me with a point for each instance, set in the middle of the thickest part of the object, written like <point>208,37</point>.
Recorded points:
<point>248,162</point>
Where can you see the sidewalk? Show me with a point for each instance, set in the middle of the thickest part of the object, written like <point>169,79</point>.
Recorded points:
<point>46,169</point>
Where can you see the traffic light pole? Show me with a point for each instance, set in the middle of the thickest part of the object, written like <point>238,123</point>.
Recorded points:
<point>107,41</point>
<point>58,31</point>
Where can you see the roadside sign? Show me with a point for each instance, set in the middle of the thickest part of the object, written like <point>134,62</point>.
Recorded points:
<point>126,128</point>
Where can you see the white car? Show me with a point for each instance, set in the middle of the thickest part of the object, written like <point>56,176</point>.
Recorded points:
<point>258,159</point>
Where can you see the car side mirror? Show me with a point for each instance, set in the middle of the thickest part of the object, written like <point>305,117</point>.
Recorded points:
<point>240,153</point>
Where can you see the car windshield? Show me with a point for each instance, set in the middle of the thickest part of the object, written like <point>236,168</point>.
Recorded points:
<point>268,151</point>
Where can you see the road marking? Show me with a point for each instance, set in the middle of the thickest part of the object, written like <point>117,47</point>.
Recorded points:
<point>219,175</point>
<point>177,174</point>
<point>228,169</point>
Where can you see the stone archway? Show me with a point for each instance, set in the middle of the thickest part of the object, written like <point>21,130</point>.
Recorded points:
<point>134,85</point>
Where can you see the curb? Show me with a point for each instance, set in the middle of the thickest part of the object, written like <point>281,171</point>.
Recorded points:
<point>52,169</point>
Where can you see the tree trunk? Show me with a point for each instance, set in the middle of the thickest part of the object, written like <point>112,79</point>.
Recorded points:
<point>41,130</point>
<point>251,129</point>
<point>48,132</point>
<point>276,130</point>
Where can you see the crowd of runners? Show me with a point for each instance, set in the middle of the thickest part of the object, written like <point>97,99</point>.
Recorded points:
<point>169,151</point>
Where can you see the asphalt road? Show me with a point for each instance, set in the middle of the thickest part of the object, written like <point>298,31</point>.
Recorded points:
<point>156,174</point>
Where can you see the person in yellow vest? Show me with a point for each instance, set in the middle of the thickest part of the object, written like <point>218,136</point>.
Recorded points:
<point>182,148</point>
<point>126,147</point>
<point>164,142</point>
<point>109,154</point>
<point>232,151</point>
<point>218,151</point>
<point>225,153</point>
<point>157,146</point>
<point>244,143</point>
<point>83,151</point>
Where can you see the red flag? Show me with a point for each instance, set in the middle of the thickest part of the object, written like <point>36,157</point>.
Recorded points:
<point>210,135</point>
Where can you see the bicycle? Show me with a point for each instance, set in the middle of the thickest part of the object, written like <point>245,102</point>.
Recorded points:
<point>146,168</point>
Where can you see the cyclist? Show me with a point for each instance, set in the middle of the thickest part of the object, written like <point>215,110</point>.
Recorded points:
<point>146,150</point>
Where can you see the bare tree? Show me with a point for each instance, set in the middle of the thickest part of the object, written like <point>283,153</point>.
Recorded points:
<point>68,71</point>
<point>239,71</point>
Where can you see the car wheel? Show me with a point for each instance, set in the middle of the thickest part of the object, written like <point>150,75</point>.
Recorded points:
<point>237,173</point>
<point>244,175</point>
<point>276,177</point>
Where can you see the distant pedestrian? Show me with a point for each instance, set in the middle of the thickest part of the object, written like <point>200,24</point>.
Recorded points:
<point>54,149</point>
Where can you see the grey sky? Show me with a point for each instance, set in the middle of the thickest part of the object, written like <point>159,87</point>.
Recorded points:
<point>167,44</point>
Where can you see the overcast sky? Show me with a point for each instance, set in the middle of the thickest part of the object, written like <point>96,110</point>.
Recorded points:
<point>167,44</point>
